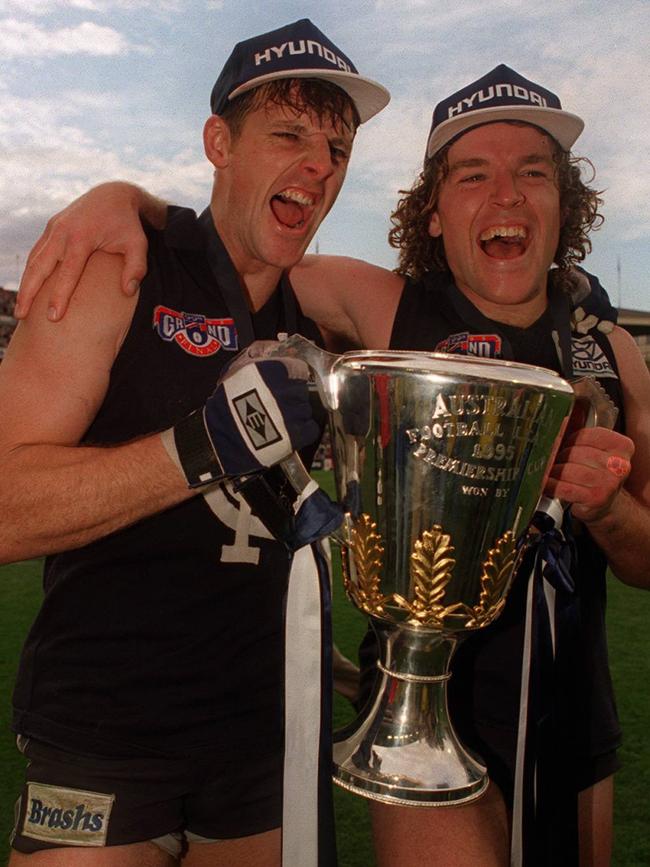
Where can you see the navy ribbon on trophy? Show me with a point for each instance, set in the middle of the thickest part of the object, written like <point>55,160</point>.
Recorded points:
<point>551,617</point>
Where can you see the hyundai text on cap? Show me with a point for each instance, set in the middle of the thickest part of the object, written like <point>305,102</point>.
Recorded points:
<point>298,50</point>
<point>502,94</point>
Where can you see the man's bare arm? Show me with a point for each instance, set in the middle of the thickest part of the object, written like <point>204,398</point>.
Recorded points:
<point>54,494</point>
<point>353,302</point>
<point>107,218</point>
<point>606,476</point>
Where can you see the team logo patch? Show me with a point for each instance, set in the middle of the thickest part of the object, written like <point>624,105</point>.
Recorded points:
<point>481,345</point>
<point>69,816</point>
<point>589,358</point>
<point>256,420</point>
<point>194,332</point>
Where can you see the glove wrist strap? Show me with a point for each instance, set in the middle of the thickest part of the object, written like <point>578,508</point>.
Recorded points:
<point>196,454</point>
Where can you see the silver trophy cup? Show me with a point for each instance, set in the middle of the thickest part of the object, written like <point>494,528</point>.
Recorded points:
<point>440,462</point>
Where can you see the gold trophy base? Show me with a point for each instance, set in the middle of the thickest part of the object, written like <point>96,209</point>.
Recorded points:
<point>402,749</point>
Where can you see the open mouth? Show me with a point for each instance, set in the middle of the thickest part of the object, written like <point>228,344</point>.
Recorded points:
<point>292,207</point>
<point>504,242</point>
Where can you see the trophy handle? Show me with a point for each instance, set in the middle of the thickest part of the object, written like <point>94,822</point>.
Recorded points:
<point>269,494</point>
<point>296,472</point>
<point>593,408</point>
<point>320,363</point>
<point>300,480</point>
<point>597,407</point>
<point>318,360</point>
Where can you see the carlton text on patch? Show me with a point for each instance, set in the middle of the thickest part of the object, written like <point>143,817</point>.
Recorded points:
<point>194,332</point>
<point>464,343</point>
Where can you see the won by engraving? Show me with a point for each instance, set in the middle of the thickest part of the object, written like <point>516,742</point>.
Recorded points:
<point>476,491</point>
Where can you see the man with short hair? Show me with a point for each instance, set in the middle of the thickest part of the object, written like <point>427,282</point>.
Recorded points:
<point>499,202</point>
<point>149,695</point>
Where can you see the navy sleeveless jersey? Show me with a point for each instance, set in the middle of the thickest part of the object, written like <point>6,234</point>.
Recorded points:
<point>484,692</point>
<point>165,636</point>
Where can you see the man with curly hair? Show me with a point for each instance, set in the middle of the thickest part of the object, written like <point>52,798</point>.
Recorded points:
<point>488,238</point>
<point>499,202</point>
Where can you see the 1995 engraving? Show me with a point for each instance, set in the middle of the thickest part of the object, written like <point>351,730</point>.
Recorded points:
<point>493,451</point>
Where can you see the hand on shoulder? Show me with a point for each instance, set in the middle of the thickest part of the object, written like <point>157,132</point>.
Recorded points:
<point>106,218</point>
<point>98,316</point>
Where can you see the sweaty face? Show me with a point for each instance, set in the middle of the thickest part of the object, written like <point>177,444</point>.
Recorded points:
<point>283,173</point>
<point>499,216</point>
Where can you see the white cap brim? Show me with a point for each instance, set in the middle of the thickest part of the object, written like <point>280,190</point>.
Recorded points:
<point>562,125</point>
<point>368,96</point>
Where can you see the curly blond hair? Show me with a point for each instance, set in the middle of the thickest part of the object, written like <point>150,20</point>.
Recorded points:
<point>419,252</point>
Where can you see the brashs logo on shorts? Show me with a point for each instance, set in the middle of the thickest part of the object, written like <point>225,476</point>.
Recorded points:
<point>194,332</point>
<point>69,816</point>
<point>481,345</point>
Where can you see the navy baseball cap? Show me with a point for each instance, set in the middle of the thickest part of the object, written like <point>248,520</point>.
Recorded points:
<point>502,94</point>
<point>299,50</point>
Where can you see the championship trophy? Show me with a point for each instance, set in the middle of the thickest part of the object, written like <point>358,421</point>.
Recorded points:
<point>440,462</point>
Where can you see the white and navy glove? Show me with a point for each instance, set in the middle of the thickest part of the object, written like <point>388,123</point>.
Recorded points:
<point>256,417</point>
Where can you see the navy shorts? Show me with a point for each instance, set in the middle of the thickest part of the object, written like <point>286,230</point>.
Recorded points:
<point>77,800</point>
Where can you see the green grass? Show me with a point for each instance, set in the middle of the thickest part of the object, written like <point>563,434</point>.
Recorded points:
<point>629,614</point>
<point>352,820</point>
<point>628,617</point>
<point>20,593</point>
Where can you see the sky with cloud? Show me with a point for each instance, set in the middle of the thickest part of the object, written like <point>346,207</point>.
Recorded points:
<point>98,89</point>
